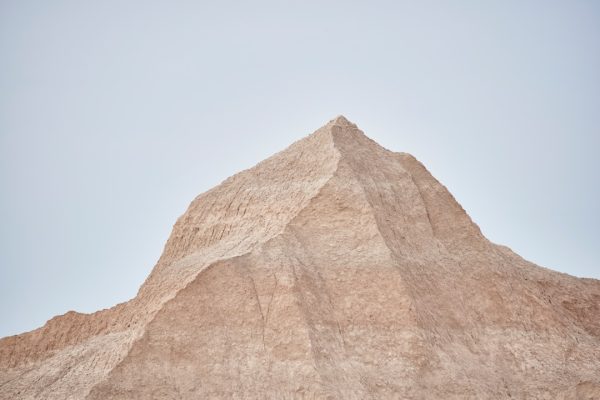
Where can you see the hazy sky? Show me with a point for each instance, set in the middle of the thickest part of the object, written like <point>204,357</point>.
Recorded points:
<point>114,115</point>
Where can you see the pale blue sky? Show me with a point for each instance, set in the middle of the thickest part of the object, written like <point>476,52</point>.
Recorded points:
<point>114,115</point>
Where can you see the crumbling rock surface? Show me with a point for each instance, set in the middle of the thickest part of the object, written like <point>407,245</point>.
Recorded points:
<point>335,269</point>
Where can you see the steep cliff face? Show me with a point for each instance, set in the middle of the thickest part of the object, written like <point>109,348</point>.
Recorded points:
<point>334,269</point>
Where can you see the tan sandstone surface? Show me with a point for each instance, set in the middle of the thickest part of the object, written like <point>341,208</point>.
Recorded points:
<point>335,269</point>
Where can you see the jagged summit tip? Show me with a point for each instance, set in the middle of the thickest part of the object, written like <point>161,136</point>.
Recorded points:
<point>341,120</point>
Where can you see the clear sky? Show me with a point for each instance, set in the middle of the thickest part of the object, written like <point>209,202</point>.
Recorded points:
<point>114,115</point>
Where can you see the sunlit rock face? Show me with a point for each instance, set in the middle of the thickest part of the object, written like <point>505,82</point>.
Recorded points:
<point>335,269</point>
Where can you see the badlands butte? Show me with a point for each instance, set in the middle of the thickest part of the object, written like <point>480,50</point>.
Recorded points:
<point>335,269</point>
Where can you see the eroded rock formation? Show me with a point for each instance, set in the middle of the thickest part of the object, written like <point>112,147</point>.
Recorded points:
<point>335,269</point>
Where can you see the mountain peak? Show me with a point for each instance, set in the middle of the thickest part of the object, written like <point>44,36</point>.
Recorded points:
<point>333,269</point>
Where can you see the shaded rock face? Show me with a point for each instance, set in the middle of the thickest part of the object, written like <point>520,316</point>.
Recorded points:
<point>335,269</point>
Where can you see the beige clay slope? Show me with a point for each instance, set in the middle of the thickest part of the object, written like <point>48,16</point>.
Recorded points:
<point>335,269</point>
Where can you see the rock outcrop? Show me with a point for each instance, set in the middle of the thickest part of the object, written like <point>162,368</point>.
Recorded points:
<point>335,269</point>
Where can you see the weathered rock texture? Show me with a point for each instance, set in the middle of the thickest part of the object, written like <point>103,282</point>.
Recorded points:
<point>335,269</point>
